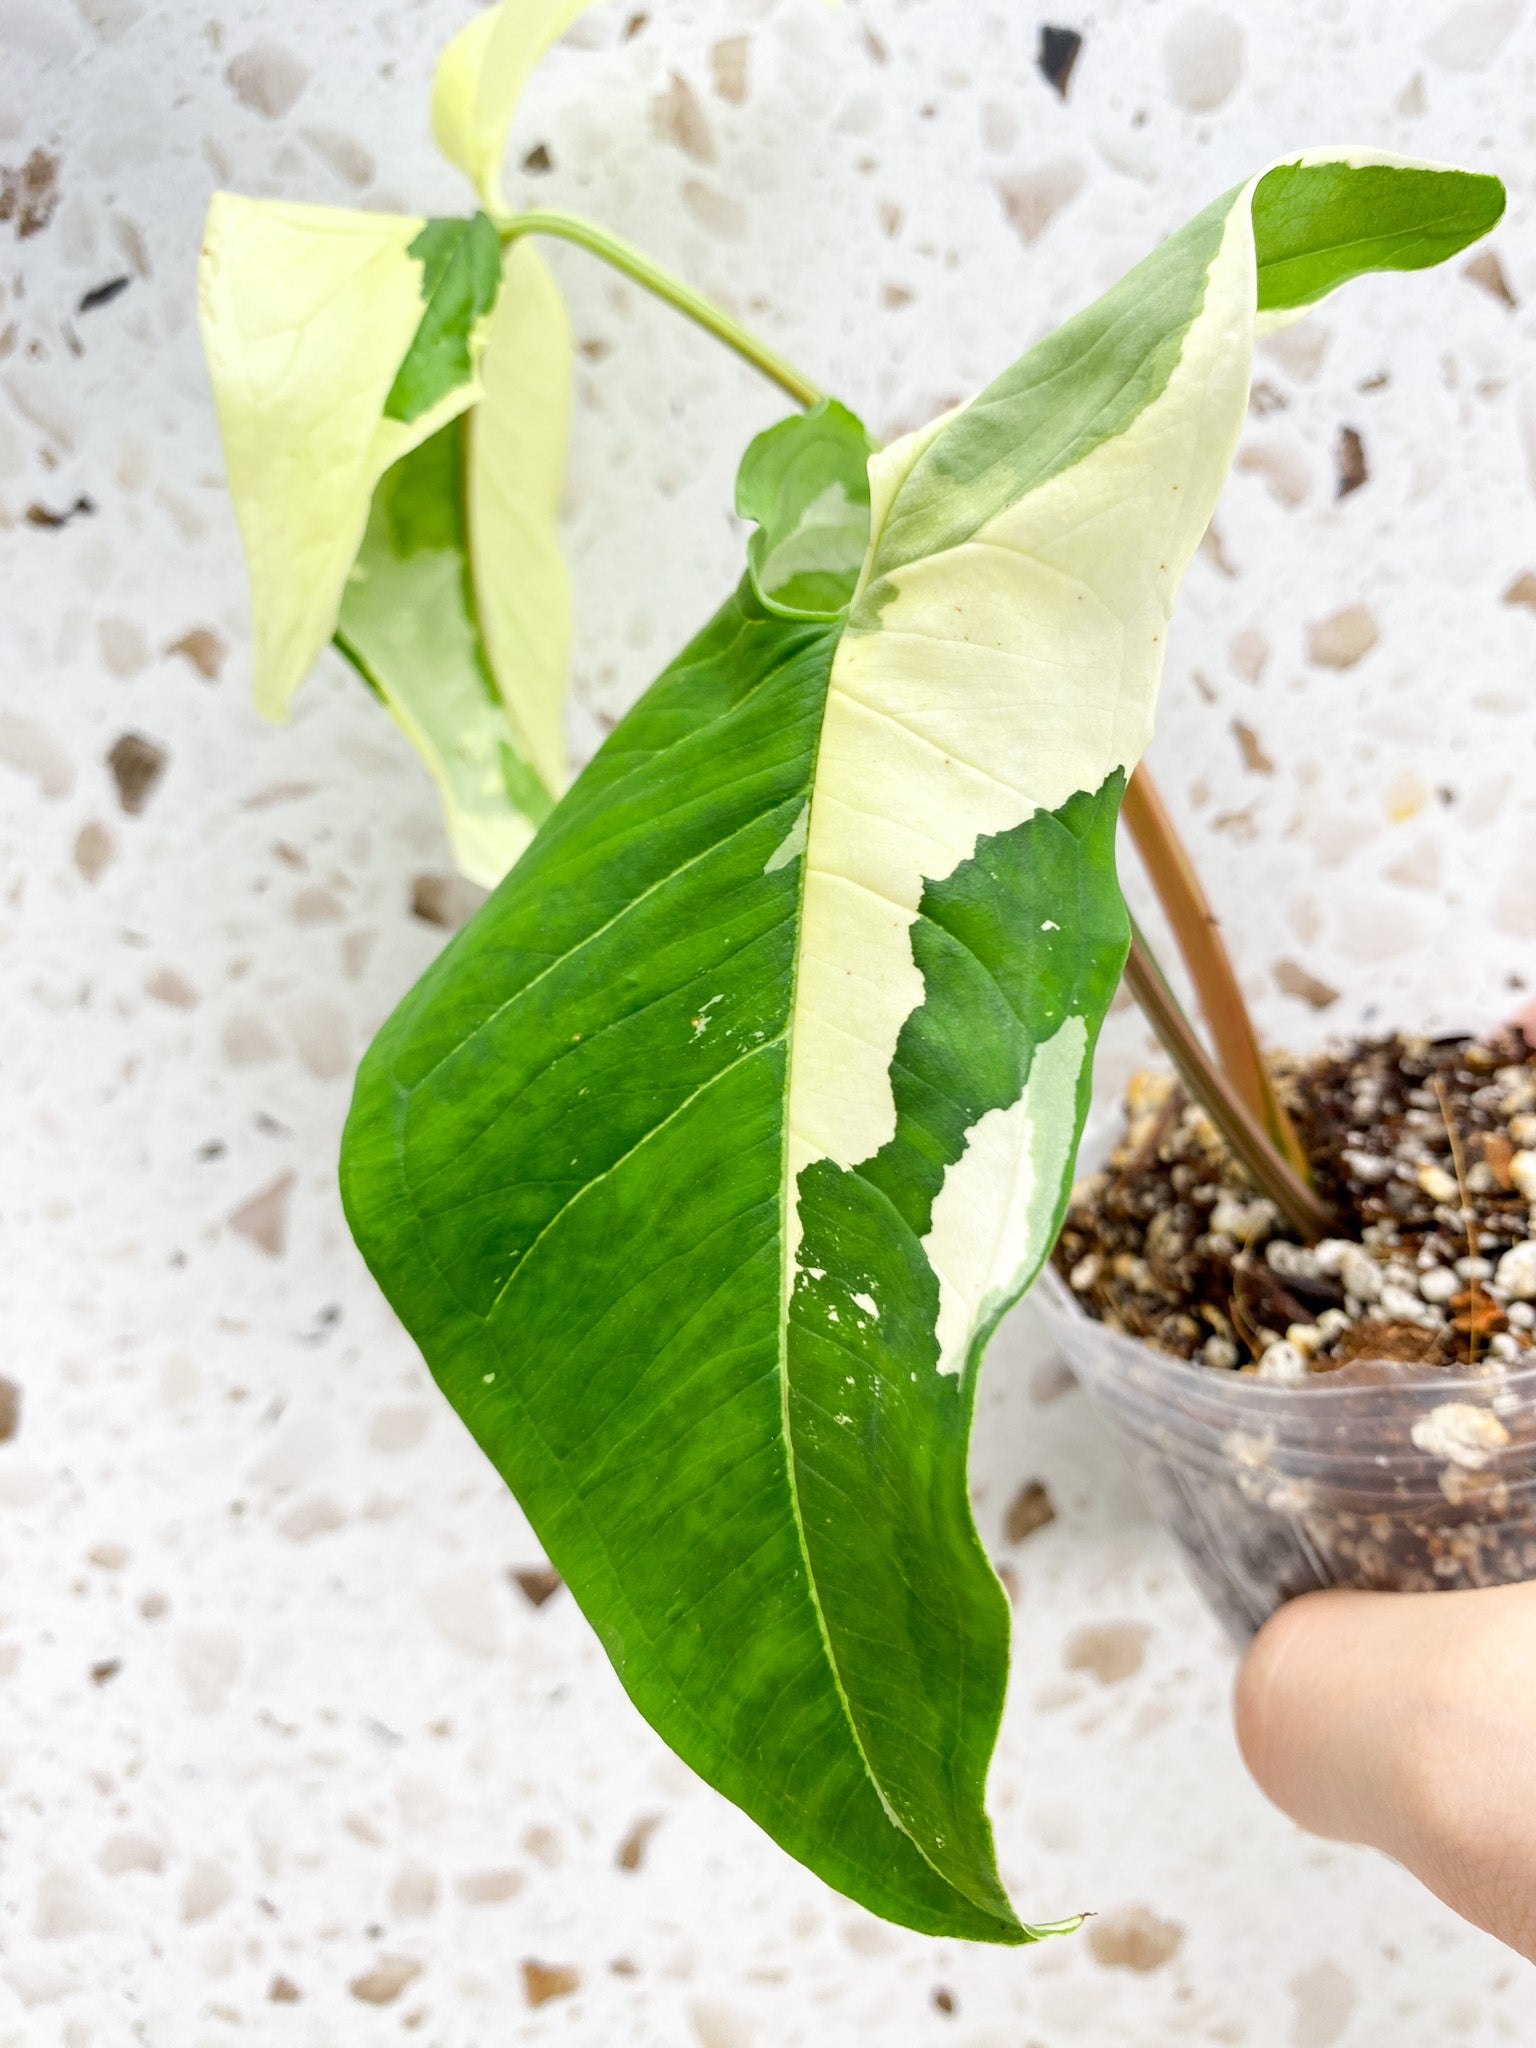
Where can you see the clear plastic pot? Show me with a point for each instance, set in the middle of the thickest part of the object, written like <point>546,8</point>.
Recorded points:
<point>1378,1475</point>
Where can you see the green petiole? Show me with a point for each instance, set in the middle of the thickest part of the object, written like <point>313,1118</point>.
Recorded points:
<point>624,257</point>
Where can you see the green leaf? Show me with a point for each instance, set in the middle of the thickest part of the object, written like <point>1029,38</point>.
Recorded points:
<point>307,314</point>
<point>460,272</point>
<point>1318,223</point>
<point>408,624</point>
<point>632,1030</point>
<point>806,483</point>
<point>479,81</point>
<point>704,1161</point>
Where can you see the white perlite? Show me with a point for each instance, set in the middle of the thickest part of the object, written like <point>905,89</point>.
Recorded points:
<point>1250,1452</point>
<point>1247,1222</point>
<point>1370,1167</point>
<point>1517,1271</point>
<point>1292,1261</point>
<point>1437,1184</point>
<point>1360,1273</point>
<point>1403,1303</point>
<point>1329,1253</point>
<point>1458,1431</point>
<point>1283,1364</point>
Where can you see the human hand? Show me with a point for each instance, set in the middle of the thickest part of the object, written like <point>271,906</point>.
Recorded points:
<point>1408,1721</point>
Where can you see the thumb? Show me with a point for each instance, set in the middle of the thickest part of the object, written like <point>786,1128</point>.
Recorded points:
<point>1408,1721</point>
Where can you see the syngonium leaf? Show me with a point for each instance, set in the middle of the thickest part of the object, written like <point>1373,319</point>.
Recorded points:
<point>308,313</point>
<point>341,345</point>
<point>806,483</point>
<point>517,438</point>
<point>480,79</point>
<point>408,624</point>
<point>704,1161</point>
<point>458,607</point>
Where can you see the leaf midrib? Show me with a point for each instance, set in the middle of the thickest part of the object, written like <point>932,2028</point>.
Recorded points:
<point>787,1195</point>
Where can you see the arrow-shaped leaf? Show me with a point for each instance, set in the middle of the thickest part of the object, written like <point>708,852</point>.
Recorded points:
<point>517,438</point>
<point>308,313</point>
<point>806,485</point>
<point>480,79</point>
<point>704,1161</point>
<point>458,606</point>
<point>408,624</point>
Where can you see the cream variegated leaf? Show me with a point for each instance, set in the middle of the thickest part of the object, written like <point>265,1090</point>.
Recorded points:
<point>308,315</point>
<point>344,346</point>
<point>458,610</point>
<point>408,624</point>
<point>704,1161</point>
<point>517,439</point>
<point>480,79</point>
<point>394,402</point>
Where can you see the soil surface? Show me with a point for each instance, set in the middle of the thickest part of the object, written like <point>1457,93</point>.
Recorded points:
<point>1427,1151</point>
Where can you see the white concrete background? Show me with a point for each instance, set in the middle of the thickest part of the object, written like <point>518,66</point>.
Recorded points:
<point>335,1726</point>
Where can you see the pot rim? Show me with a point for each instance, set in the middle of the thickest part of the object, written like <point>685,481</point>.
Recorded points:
<point>1058,1301</point>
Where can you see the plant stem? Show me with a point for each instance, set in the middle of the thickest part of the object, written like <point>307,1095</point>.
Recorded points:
<point>1470,1227</point>
<point>623,256</point>
<point>1198,933</point>
<point>1244,1134</point>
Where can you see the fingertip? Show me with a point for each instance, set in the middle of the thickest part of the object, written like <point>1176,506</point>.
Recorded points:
<point>1404,1720</point>
<point>1258,1711</point>
<point>1298,1710</point>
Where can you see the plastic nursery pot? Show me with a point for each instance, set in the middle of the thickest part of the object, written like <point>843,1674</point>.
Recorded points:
<point>1380,1475</point>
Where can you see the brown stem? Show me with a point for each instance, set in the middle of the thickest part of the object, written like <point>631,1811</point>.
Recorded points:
<point>1198,933</point>
<point>1271,1174</point>
<point>1470,1227</point>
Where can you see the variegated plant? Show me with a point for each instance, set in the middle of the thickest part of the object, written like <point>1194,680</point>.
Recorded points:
<point>703,1163</point>
<point>394,395</point>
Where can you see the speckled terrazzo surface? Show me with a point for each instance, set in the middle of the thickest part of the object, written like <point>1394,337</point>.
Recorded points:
<point>287,1754</point>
